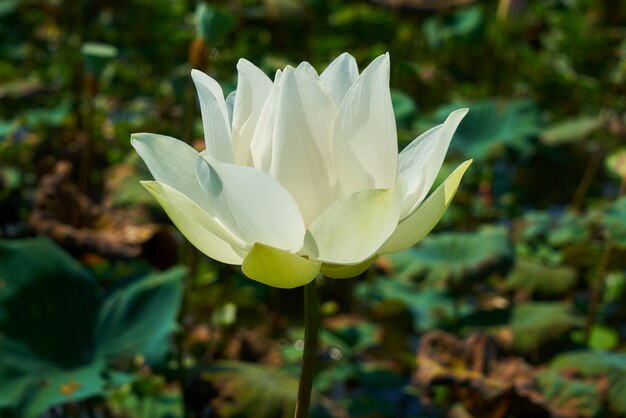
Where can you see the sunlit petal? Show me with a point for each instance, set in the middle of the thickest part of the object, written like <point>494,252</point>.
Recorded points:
<point>353,228</point>
<point>418,224</point>
<point>253,88</point>
<point>365,142</point>
<point>202,230</point>
<point>301,149</point>
<point>214,116</point>
<point>172,162</point>
<point>420,162</point>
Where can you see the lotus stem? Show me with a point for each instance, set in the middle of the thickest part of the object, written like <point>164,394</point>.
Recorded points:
<point>599,283</point>
<point>586,180</point>
<point>309,356</point>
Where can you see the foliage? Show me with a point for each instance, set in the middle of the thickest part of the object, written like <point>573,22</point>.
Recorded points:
<point>61,333</point>
<point>525,272</point>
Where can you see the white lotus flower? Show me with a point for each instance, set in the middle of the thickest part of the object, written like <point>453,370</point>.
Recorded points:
<point>302,174</point>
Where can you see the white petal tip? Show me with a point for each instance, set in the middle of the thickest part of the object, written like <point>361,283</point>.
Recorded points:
<point>462,111</point>
<point>457,116</point>
<point>244,63</point>
<point>139,136</point>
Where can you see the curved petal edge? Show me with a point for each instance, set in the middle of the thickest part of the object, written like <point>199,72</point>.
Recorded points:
<point>196,225</point>
<point>339,271</point>
<point>352,229</point>
<point>418,224</point>
<point>278,268</point>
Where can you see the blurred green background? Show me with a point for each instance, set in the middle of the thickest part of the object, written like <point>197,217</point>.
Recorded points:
<point>513,307</point>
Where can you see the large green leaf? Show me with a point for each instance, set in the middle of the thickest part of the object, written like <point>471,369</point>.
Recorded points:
<point>53,386</point>
<point>569,228</point>
<point>599,364</point>
<point>48,301</point>
<point>492,125</point>
<point>570,130</point>
<point>535,325</point>
<point>48,304</point>
<point>460,25</point>
<point>459,259</point>
<point>428,307</point>
<point>534,277</point>
<point>571,397</point>
<point>135,318</point>
<point>57,334</point>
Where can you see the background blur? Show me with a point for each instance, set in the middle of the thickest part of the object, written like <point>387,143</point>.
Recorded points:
<point>513,307</point>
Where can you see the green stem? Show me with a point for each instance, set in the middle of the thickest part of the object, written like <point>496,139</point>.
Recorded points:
<point>599,283</point>
<point>309,357</point>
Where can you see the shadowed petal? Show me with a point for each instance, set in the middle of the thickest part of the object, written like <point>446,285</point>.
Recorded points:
<point>339,76</point>
<point>251,204</point>
<point>278,268</point>
<point>340,271</point>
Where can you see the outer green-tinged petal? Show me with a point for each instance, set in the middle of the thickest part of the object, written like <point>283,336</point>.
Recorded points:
<point>301,148</point>
<point>352,229</point>
<point>340,271</point>
<point>253,87</point>
<point>171,162</point>
<point>214,116</point>
<point>365,142</point>
<point>419,163</point>
<point>204,232</point>
<point>418,224</point>
<point>278,268</point>
<point>251,204</point>
<point>339,76</point>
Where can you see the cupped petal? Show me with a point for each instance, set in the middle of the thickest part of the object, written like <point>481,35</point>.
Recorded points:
<point>203,231</point>
<point>251,204</point>
<point>253,88</point>
<point>339,76</point>
<point>420,162</point>
<point>214,116</point>
<point>172,162</point>
<point>418,224</point>
<point>278,268</point>
<point>300,133</point>
<point>341,271</point>
<point>365,141</point>
<point>352,229</point>
<point>261,145</point>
